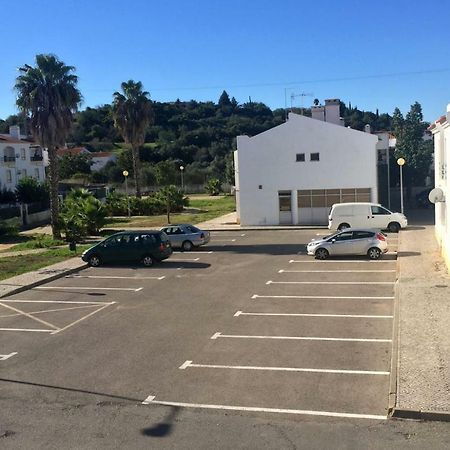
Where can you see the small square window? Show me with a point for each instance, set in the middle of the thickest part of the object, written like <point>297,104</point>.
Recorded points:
<point>300,157</point>
<point>315,157</point>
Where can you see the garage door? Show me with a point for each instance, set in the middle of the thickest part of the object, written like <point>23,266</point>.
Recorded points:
<point>314,204</point>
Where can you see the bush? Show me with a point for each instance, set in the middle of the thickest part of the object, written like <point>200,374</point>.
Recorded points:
<point>7,197</point>
<point>213,186</point>
<point>172,198</point>
<point>82,214</point>
<point>8,228</point>
<point>29,190</point>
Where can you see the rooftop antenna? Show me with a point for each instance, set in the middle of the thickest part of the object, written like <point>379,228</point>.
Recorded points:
<point>301,95</point>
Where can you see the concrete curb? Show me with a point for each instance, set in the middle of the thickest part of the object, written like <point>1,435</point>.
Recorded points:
<point>44,280</point>
<point>412,414</point>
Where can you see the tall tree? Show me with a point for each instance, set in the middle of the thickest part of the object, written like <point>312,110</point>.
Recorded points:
<point>48,95</point>
<point>132,112</point>
<point>410,145</point>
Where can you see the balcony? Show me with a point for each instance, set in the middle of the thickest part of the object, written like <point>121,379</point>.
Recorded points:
<point>9,159</point>
<point>36,158</point>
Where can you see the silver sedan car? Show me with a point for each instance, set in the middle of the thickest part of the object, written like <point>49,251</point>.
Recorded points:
<point>186,236</point>
<point>350,242</point>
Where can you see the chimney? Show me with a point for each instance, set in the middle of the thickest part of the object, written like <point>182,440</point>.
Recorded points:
<point>367,128</point>
<point>14,132</point>
<point>332,113</point>
<point>318,113</point>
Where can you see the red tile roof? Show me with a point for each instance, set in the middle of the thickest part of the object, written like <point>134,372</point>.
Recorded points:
<point>71,151</point>
<point>441,120</point>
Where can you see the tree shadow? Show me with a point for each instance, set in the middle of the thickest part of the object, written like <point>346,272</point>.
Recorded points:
<point>163,428</point>
<point>267,249</point>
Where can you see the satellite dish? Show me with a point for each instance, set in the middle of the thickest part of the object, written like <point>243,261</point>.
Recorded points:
<point>436,195</point>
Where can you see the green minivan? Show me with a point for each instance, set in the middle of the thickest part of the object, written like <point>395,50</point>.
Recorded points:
<point>146,247</point>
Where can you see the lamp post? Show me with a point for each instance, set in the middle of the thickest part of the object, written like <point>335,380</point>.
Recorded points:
<point>182,179</point>
<point>125,174</point>
<point>401,162</point>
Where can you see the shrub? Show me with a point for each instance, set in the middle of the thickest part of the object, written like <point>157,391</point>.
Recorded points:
<point>82,214</point>
<point>172,198</point>
<point>213,186</point>
<point>9,228</point>
<point>29,190</point>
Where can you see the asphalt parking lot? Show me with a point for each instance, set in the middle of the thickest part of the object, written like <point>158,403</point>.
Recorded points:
<point>249,323</point>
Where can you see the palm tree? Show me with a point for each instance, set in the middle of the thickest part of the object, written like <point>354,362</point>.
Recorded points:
<point>132,113</point>
<point>47,94</point>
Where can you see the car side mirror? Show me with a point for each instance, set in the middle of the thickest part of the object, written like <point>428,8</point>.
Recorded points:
<point>333,241</point>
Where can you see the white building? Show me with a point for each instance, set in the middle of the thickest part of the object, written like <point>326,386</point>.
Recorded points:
<point>441,132</point>
<point>98,159</point>
<point>293,173</point>
<point>19,158</point>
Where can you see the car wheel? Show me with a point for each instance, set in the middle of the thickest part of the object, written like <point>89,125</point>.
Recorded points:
<point>343,226</point>
<point>94,261</point>
<point>394,227</point>
<point>374,253</point>
<point>187,246</point>
<point>322,253</point>
<point>148,261</point>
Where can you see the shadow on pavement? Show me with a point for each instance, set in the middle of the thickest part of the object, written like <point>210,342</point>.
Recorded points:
<point>263,249</point>
<point>409,254</point>
<point>164,428</point>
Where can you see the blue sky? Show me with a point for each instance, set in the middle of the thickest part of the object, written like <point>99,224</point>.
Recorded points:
<point>193,49</point>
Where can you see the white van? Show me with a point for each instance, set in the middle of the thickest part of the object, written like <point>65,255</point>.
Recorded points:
<point>365,215</point>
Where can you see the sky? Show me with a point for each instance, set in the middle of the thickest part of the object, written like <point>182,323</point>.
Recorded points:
<point>374,54</point>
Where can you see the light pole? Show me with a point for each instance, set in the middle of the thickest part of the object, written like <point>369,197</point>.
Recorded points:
<point>125,174</point>
<point>401,162</point>
<point>182,179</point>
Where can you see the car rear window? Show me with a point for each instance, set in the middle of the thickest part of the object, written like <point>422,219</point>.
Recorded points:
<point>148,238</point>
<point>363,234</point>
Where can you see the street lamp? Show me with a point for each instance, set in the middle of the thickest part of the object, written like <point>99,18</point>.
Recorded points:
<point>182,180</point>
<point>125,174</point>
<point>401,162</point>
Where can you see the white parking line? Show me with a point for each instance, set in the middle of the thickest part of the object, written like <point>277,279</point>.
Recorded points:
<point>151,400</point>
<point>49,310</point>
<point>330,282</point>
<point>224,240</point>
<point>93,288</point>
<point>26,329</point>
<point>111,277</point>
<point>298,338</point>
<point>187,364</point>
<point>57,301</point>
<point>342,261</point>
<point>254,296</point>
<point>335,271</point>
<point>227,235</point>
<point>337,316</point>
<point>5,357</point>
<point>183,259</point>
<point>196,253</point>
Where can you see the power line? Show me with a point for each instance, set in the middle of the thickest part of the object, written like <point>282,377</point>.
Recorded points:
<point>292,83</point>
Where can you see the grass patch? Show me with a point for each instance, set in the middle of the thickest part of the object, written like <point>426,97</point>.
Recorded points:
<point>33,242</point>
<point>207,209</point>
<point>17,265</point>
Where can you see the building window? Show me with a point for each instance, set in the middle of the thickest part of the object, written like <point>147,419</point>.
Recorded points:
<point>321,198</point>
<point>24,172</point>
<point>315,157</point>
<point>36,174</point>
<point>23,154</point>
<point>8,176</point>
<point>300,157</point>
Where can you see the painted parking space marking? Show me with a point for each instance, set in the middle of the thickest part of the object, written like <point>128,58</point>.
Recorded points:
<point>5,357</point>
<point>342,261</point>
<point>93,288</point>
<point>183,259</point>
<point>29,316</point>
<point>330,282</point>
<point>194,252</point>
<point>113,277</point>
<point>227,235</point>
<point>337,271</point>
<point>151,400</point>
<point>50,328</point>
<point>299,338</point>
<point>224,240</point>
<point>188,364</point>
<point>312,297</point>
<point>337,316</point>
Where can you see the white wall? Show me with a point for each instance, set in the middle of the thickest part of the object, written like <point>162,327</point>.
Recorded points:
<point>347,160</point>
<point>441,134</point>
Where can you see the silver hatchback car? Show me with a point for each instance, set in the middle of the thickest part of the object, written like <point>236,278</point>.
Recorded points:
<point>350,242</point>
<point>186,236</point>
